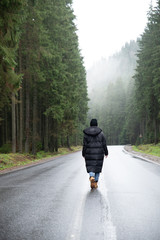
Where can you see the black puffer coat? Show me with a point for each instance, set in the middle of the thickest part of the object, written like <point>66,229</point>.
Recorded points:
<point>94,148</point>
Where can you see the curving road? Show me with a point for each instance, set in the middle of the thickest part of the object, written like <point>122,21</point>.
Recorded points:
<point>53,200</point>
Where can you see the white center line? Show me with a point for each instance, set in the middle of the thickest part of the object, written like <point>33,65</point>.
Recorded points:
<point>109,228</point>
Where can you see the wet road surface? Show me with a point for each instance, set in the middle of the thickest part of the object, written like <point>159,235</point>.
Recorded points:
<point>53,200</point>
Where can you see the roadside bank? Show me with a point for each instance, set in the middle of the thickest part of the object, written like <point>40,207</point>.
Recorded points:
<point>143,156</point>
<point>12,162</point>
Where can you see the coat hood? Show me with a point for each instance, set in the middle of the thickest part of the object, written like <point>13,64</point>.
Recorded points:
<point>92,131</point>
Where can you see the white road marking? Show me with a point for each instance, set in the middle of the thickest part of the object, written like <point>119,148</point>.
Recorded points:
<point>109,228</point>
<point>77,224</point>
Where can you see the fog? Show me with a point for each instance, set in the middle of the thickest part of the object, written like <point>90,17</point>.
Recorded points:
<point>119,66</point>
<point>104,26</point>
<point>110,87</point>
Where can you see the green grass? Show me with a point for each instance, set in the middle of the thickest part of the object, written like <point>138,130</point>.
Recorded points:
<point>16,159</point>
<point>151,149</point>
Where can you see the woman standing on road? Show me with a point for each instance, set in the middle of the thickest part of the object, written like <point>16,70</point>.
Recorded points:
<point>94,149</point>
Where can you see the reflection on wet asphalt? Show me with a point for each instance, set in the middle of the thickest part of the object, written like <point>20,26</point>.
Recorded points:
<point>92,224</point>
<point>97,222</point>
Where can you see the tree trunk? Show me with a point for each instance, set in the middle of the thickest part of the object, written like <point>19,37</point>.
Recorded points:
<point>6,125</point>
<point>76,139</point>
<point>52,137</point>
<point>68,143</point>
<point>34,137</point>
<point>46,135</point>
<point>21,105</point>
<point>13,124</point>
<point>3,126</point>
<point>155,132</point>
<point>1,135</point>
<point>27,130</point>
<point>21,122</point>
<point>17,125</point>
<point>56,143</point>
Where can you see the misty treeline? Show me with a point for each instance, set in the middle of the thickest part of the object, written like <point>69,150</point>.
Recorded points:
<point>43,92</point>
<point>125,96</point>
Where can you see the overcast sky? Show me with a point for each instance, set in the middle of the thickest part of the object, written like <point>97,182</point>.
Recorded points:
<point>104,26</point>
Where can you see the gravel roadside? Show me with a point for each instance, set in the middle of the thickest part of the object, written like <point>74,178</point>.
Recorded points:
<point>40,161</point>
<point>15,168</point>
<point>144,156</point>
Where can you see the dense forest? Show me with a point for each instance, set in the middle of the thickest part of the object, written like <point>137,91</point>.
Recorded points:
<point>43,90</point>
<point>125,91</point>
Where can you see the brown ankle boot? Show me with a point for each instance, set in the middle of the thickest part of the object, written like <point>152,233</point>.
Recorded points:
<point>92,180</point>
<point>96,184</point>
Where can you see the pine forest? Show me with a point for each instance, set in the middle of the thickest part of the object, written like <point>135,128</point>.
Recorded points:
<point>43,90</point>
<point>46,97</point>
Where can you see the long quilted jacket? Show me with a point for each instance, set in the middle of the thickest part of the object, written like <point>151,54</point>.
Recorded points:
<point>94,149</point>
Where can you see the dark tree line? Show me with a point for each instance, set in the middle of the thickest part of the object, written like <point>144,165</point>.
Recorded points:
<point>147,79</point>
<point>42,78</point>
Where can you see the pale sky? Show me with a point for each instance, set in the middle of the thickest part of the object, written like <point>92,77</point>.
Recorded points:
<point>104,26</point>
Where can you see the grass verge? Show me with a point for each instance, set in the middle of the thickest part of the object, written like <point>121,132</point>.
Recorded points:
<point>151,149</point>
<point>16,159</point>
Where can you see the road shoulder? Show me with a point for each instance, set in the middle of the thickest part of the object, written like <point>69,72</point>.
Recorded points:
<point>38,162</point>
<point>143,156</point>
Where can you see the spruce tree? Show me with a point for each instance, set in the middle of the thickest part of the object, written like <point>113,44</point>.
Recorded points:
<point>10,21</point>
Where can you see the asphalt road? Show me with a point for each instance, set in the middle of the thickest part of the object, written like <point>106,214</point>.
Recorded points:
<point>53,200</point>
